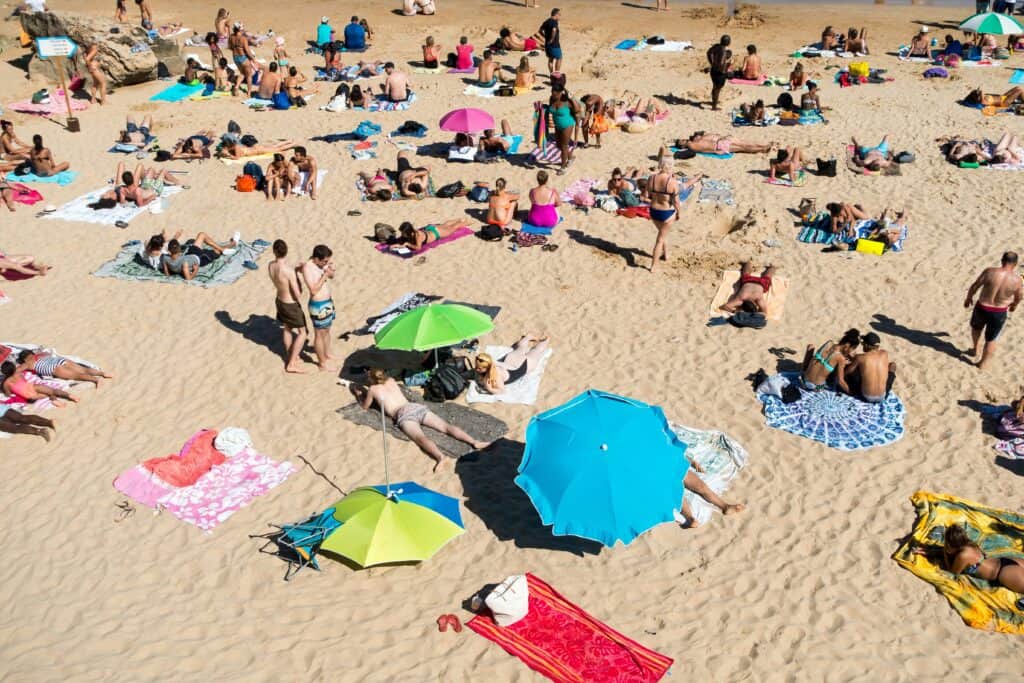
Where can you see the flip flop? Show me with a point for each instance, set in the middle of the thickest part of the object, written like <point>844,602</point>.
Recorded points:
<point>251,265</point>
<point>455,623</point>
<point>121,224</point>
<point>442,623</point>
<point>260,243</point>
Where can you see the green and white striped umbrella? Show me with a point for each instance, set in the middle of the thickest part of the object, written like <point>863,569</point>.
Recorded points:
<point>993,23</point>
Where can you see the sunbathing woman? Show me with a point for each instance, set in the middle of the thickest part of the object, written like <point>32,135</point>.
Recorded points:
<point>415,239</point>
<point>709,143</point>
<point>872,158</point>
<point>14,422</point>
<point>978,98</point>
<point>501,205</point>
<point>963,557</point>
<point>194,146</point>
<point>49,365</point>
<point>829,359</point>
<point>544,203</point>
<point>232,148</point>
<point>378,187</point>
<point>494,376</point>
<point>42,161</point>
<point>23,264</point>
<point>14,383</point>
<point>411,181</point>
<point>787,162</point>
<point>843,216</point>
<point>525,75</point>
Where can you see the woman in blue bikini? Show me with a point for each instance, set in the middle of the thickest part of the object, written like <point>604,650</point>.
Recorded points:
<point>829,358</point>
<point>664,192</point>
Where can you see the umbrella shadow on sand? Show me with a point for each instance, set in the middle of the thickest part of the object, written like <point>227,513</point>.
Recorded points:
<point>492,495</point>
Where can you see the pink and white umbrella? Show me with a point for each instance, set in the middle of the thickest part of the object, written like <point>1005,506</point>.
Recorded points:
<point>467,121</point>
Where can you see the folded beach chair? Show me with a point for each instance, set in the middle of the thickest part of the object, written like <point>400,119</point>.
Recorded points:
<point>298,544</point>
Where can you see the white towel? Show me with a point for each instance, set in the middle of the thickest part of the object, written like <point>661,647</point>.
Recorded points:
<point>303,175</point>
<point>78,209</point>
<point>671,46</point>
<point>524,391</point>
<point>720,456</point>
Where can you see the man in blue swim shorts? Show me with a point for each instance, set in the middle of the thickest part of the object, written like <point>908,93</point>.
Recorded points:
<point>317,273</point>
<point>552,41</point>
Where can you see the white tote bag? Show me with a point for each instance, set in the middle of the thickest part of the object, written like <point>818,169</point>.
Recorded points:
<point>509,601</point>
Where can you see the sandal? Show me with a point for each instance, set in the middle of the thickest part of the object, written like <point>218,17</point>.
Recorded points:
<point>549,247</point>
<point>355,212</point>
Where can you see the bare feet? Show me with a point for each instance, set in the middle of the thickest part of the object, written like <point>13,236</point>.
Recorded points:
<point>295,369</point>
<point>685,521</point>
<point>438,464</point>
<point>40,431</point>
<point>481,445</point>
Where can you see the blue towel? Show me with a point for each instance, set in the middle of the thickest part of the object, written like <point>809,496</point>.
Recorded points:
<point>627,44</point>
<point>62,178</point>
<point>537,230</point>
<point>1018,77</point>
<point>715,156</point>
<point>176,93</point>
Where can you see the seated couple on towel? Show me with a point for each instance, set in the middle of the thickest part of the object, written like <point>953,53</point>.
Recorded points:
<point>843,218</point>
<point>141,187</point>
<point>751,290</point>
<point>868,376</point>
<point>184,259</point>
<point>1008,150</point>
<point>407,416</point>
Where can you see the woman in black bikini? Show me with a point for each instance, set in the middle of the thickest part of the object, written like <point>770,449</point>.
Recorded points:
<point>964,557</point>
<point>494,375</point>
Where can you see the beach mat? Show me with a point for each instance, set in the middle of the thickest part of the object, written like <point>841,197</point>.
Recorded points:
<point>62,178</point>
<point>468,70</point>
<point>999,533</point>
<point>56,105</point>
<point>380,103</point>
<point>478,425</point>
<point>78,209</point>
<point>223,271</point>
<point>481,91</point>
<point>837,420</point>
<point>523,392</point>
<point>721,458</point>
<point>627,44</point>
<point>177,93</point>
<point>1018,77</point>
<point>458,234</point>
<point>565,644</point>
<point>776,298</point>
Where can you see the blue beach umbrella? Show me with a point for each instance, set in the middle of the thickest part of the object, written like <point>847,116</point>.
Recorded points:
<point>603,467</point>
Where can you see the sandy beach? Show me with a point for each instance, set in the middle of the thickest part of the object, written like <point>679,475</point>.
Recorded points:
<point>799,587</point>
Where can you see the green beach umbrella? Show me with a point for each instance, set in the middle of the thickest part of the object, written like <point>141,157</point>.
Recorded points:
<point>393,523</point>
<point>433,326</point>
<point>992,23</point>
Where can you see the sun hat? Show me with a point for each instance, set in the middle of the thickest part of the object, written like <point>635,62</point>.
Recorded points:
<point>325,20</point>
<point>924,29</point>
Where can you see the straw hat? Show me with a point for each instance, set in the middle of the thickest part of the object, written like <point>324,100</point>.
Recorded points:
<point>924,29</point>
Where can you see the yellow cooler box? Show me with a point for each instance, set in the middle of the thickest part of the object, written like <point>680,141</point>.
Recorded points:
<point>871,247</point>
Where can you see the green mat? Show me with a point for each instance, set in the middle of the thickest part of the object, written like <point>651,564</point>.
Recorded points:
<point>225,270</point>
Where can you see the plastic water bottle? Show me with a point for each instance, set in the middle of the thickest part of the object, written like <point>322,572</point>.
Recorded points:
<point>515,246</point>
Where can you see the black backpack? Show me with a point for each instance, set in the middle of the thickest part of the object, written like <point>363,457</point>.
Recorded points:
<point>451,190</point>
<point>827,168</point>
<point>756,321</point>
<point>253,169</point>
<point>444,385</point>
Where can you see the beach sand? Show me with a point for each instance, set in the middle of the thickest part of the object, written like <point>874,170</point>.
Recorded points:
<point>798,588</point>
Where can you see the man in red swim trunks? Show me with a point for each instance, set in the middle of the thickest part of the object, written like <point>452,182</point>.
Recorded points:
<point>751,290</point>
<point>1000,293</point>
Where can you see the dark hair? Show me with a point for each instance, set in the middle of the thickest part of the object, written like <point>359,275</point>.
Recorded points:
<point>1009,257</point>
<point>974,97</point>
<point>381,195</point>
<point>300,150</point>
<point>211,37</point>
<point>488,54</point>
<point>23,356</point>
<point>322,251</point>
<point>355,18</point>
<point>103,203</point>
<point>407,232</point>
<point>7,368</point>
<point>273,67</point>
<point>174,246</point>
<point>415,188</point>
<point>969,158</point>
<point>871,339</point>
<point>851,337</point>
<point>811,85</point>
<point>280,248</point>
<point>192,62</point>
<point>292,70</point>
<point>127,178</point>
<point>955,538</point>
<point>555,11</point>
<point>278,156</point>
<point>726,40</point>
<point>834,208</point>
<point>5,123</point>
<point>155,242</point>
<point>949,38</point>
<point>504,32</point>
<point>463,40</point>
<point>389,65</point>
<point>462,140</point>
<point>37,141</point>
<point>752,49</point>
<point>222,62</point>
<point>542,177</point>
<point>875,165</point>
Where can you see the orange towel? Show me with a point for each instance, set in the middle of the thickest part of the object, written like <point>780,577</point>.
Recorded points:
<point>197,457</point>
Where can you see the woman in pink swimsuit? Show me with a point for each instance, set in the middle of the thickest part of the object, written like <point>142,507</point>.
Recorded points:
<point>544,203</point>
<point>15,384</point>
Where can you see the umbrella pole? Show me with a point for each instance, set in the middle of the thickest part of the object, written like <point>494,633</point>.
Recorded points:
<point>384,441</point>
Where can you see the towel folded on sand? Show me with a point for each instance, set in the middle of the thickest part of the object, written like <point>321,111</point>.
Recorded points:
<point>223,271</point>
<point>62,178</point>
<point>836,420</point>
<point>56,105</point>
<point>565,644</point>
<point>999,533</point>
<point>775,298</point>
<point>721,458</point>
<point>478,425</point>
<point>177,93</point>
<point>78,209</point>
<point>468,70</point>
<point>671,46</point>
<point>362,151</point>
<point>458,234</point>
<point>523,392</point>
<point>304,176</point>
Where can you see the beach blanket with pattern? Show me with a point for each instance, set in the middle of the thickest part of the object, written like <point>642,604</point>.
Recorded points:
<point>431,191</point>
<point>381,103</point>
<point>565,644</point>
<point>348,73</point>
<point>837,420</point>
<point>223,271</point>
<point>999,533</point>
<point>818,231</point>
<point>721,458</point>
<point>212,486</point>
<point>78,209</point>
<point>716,192</point>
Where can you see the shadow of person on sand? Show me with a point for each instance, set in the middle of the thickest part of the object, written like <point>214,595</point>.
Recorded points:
<point>261,330</point>
<point>628,254</point>
<point>989,413</point>
<point>937,341</point>
<point>492,495</point>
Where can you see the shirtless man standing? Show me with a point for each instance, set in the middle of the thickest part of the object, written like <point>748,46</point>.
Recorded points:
<point>751,289</point>
<point>306,164</point>
<point>317,271</point>
<point>289,311</point>
<point>396,85</point>
<point>1000,293</point>
<point>870,374</point>
<point>270,84</point>
<point>719,60</point>
<point>410,417</point>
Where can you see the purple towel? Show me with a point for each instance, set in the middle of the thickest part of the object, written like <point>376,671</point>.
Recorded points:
<point>458,234</point>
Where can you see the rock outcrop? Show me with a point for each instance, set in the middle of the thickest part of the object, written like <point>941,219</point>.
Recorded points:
<point>126,57</point>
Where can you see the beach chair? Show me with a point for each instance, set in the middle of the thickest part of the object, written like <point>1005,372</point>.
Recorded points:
<point>298,544</point>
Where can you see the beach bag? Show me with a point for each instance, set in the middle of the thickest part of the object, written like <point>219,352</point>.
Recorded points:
<point>1001,53</point>
<point>245,183</point>
<point>445,384</point>
<point>936,72</point>
<point>41,97</point>
<point>609,204</point>
<point>452,59</point>
<point>599,124</point>
<point>951,61</point>
<point>479,193</point>
<point>827,168</point>
<point>491,233</point>
<point>860,69</point>
<point>628,198</point>
<point>583,198</point>
<point>253,169</point>
<point>281,101</point>
<point>382,232</point>
<point>451,190</point>
<point>24,168</point>
<point>509,601</point>
<point>755,321</point>
<point>505,91</point>
<point>905,158</point>
<point>656,40</point>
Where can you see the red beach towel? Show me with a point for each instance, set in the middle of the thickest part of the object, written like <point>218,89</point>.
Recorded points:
<point>197,457</point>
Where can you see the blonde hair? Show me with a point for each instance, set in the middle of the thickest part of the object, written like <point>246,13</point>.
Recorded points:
<point>490,370</point>
<point>377,376</point>
<point>430,40</point>
<point>666,165</point>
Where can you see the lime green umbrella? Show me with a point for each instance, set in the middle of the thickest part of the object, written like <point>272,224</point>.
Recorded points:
<point>433,326</point>
<point>396,523</point>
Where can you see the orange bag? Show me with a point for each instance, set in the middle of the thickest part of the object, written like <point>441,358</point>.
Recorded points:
<point>245,183</point>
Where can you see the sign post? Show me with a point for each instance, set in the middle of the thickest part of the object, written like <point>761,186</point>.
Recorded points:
<point>59,48</point>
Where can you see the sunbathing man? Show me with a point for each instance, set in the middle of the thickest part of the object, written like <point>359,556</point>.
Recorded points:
<point>410,417</point>
<point>194,146</point>
<point>496,144</point>
<point>396,87</point>
<point>694,483</point>
<point>494,376</point>
<point>135,135</point>
<point>1000,293</point>
<point>751,290</point>
<point>872,158</point>
<point>232,147</point>
<point>306,164</point>
<point>42,161</point>
<point>378,188</point>
<point>22,263</point>
<point>510,40</point>
<point>870,374</point>
<point>709,143</point>
<point>49,365</point>
<point>788,162</point>
<point>14,383</point>
<point>920,45</point>
<point>10,145</point>
<point>289,310</point>
<point>187,262</point>
<point>979,98</point>
<point>411,181</point>
<point>501,205</point>
<point>270,84</point>
<point>411,238</point>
